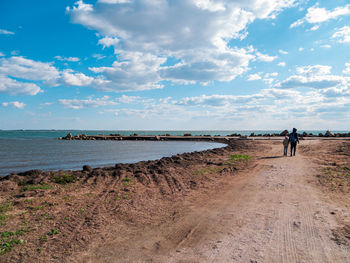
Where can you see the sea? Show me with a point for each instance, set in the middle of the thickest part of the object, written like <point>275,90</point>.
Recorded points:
<point>23,150</point>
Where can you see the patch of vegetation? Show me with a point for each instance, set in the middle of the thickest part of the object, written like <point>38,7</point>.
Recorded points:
<point>88,194</point>
<point>2,219</point>
<point>3,209</point>
<point>239,157</point>
<point>66,198</point>
<point>126,179</point>
<point>43,238</point>
<point>6,207</point>
<point>53,232</point>
<point>36,208</point>
<point>210,169</point>
<point>30,187</point>
<point>337,178</point>
<point>10,238</point>
<point>117,198</point>
<point>63,179</point>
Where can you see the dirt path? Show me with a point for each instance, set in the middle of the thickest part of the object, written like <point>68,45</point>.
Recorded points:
<point>273,214</point>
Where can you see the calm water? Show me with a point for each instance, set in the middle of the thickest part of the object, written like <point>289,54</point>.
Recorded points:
<point>26,153</point>
<point>23,150</point>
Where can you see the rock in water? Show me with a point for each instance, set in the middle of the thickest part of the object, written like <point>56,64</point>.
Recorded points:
<point>329,134</point>
<point>87,168</point>
<point>69,136</point>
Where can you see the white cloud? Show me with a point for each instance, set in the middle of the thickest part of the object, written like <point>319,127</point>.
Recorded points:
<point>22,68</point>
<point>283,52</point>
<point>98,56</point>
<point>70,59</point>
<point>273,74</point>
<point>88,103</point>
<point>218,100</point>
<point>108,41</point>
<point>114,1</point>
<point>14,52</point>
<point>326,46</point>
<point>6,32</point>
<point>14,87</point>
<point>28,71</point>
<point>317,15</point>
<point>316,77</point>
<point>136,71</point>
<point>15,104</point>
<point>196,33</point>
<point>68,77</point>
<point>315,70</point>
<point>281,64</point>
<point>2,54</point>
<point>347,68</point>
<point>128,99</point>
<point>314,28</point>
<point>342,35</point>
<point>301,49</point>
<point>265,58</point>
<point>254,77</point>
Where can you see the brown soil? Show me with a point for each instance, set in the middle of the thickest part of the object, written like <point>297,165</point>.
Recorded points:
<point>199,207</point>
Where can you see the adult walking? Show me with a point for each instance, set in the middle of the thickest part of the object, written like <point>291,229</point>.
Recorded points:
<point>294,139</point>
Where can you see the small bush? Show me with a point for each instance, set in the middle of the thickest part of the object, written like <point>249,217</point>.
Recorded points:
<point>239,157</point>
<point>53,232</point>
<point>63,179</point>
<point>126,179</point>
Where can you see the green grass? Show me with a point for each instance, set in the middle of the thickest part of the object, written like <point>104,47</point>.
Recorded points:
<point>63,179</point>
<point>126,179</point>
<point>239,157</point>
<point>6,207</point>
<point>43,238</point>
<point>53,232</point>
<point>31,187</point>
<point>36,208</point>
<point>2,219</point>
<point>10,238</point>
<point>3,209</point>
<point>7,246</point>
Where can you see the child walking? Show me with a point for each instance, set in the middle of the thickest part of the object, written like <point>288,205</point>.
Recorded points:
<point>285,145</point>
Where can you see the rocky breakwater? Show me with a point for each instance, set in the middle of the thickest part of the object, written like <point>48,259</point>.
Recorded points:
<point>136,137</point>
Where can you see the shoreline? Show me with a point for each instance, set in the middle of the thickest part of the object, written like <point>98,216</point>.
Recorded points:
<point>186,137</point>
<point>64,215</point>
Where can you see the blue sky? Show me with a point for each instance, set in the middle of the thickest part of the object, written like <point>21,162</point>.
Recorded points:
<point>186,64</point>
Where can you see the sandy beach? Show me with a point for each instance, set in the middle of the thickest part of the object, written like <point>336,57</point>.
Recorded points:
<point>242,203</point>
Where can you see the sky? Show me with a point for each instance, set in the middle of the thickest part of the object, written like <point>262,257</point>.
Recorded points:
<point>175,64</point>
